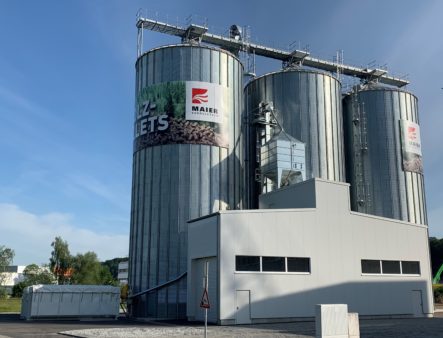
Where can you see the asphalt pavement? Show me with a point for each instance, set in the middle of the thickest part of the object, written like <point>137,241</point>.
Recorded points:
<point>12,326</point>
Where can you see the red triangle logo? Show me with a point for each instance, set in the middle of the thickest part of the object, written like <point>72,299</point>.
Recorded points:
<point>204,303</point>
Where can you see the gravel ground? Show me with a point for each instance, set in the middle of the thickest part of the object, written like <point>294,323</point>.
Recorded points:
<point>136,332</point>
<point>12,327</point>
<point>376,328</point>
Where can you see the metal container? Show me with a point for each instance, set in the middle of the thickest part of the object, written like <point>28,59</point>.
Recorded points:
<point>187,163</point>
<point>385,173</point>
<point>307,105</point>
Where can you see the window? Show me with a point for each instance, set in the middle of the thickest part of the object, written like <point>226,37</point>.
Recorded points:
<point>296,264</point>
<point>247,263</point>
<point>410,268</point>
<point>390,267</point>
<point>370,266</point>
<point>273,264</point>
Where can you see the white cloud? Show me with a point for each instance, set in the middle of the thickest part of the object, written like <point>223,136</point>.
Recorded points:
<point>30,235</point>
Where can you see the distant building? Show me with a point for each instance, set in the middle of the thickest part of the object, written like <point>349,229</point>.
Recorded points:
<point>14,275</point>
<point>123,272</point>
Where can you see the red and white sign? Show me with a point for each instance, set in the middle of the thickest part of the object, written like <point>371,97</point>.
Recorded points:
<point>205,101</point>
<point>411,137</point>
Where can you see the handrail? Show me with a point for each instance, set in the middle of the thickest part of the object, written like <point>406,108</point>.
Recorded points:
<point>172,281</point>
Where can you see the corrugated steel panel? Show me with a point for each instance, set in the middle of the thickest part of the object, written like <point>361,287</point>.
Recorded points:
<point>307,105</point>
<point>173,183</point>
<point>389,191</point>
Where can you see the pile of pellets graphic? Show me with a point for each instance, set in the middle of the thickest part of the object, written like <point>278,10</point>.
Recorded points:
<point>181,131</point>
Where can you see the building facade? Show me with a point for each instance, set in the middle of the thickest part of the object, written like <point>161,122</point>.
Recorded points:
<point>271,265</point>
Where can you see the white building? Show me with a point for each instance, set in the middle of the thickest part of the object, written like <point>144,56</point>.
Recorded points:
<point>123,273</point>
<point>13,275</point>
<point>276,264</point>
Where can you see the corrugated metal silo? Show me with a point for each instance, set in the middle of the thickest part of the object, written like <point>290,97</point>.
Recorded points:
<point>308,106</point>
<point>383,153</point>
<point>187,163</point>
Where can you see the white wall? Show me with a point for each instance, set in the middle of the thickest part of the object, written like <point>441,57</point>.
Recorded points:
<point>202,246</point>
<point>335,239</point>
<point>14,277</point>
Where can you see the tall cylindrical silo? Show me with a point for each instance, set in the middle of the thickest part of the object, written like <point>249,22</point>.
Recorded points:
<point>383,153</point>
<point>307,104</point>
<point>187,163</point>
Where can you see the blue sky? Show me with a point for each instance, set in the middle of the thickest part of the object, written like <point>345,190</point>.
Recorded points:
<point>67,97</point>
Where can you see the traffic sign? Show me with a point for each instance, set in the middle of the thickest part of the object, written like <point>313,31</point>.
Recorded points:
<point>204,303</point>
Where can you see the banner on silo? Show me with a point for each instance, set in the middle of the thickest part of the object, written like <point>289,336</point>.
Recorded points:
<point>181,112</point>
<point>411,146</point>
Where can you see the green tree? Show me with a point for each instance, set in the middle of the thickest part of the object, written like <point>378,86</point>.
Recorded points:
<point>88,270</point>
<point>35,274</point>
<point>79,269</point>
<point>112,264</point>
<point>60,262</point>
<point>436,248</point>
<point>6,257</point>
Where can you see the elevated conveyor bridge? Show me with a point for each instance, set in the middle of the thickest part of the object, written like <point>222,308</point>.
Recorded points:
<point>198,33</point>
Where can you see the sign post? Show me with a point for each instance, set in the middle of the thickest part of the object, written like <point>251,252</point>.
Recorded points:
<point>204,303</point>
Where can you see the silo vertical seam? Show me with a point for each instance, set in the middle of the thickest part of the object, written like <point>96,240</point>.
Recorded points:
<point>326,127</point>
<point>388,159</point>
<point>142,198</point>
<point>131,241</point>
<point>150,228</point>
<point>234,145</point>
<point>137,233</point>
<point>342,160</point>
<point>159,184</point>
<point>335,127</point>
<point>396,140</point>
<point>319,154</point>
<point>168,276</point>
<point>333,130</point>
<point>309,173</point>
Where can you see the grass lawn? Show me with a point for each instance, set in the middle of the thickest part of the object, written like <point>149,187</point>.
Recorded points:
<point>10,305</point>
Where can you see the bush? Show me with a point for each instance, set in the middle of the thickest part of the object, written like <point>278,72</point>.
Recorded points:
<point>438,293</point>
<point>17,289</point>
<point>3,293</point>
<point>124,290</point>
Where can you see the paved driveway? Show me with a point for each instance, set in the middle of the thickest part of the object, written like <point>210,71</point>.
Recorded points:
<point>12,326</point>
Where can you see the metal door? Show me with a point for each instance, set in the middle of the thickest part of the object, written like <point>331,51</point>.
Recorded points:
<point>417,303</point>
<point>243,307</point>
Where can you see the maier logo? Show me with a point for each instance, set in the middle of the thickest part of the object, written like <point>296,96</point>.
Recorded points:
<point>205,101</point>
<point>199,95</point>
<point>412,133</point>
